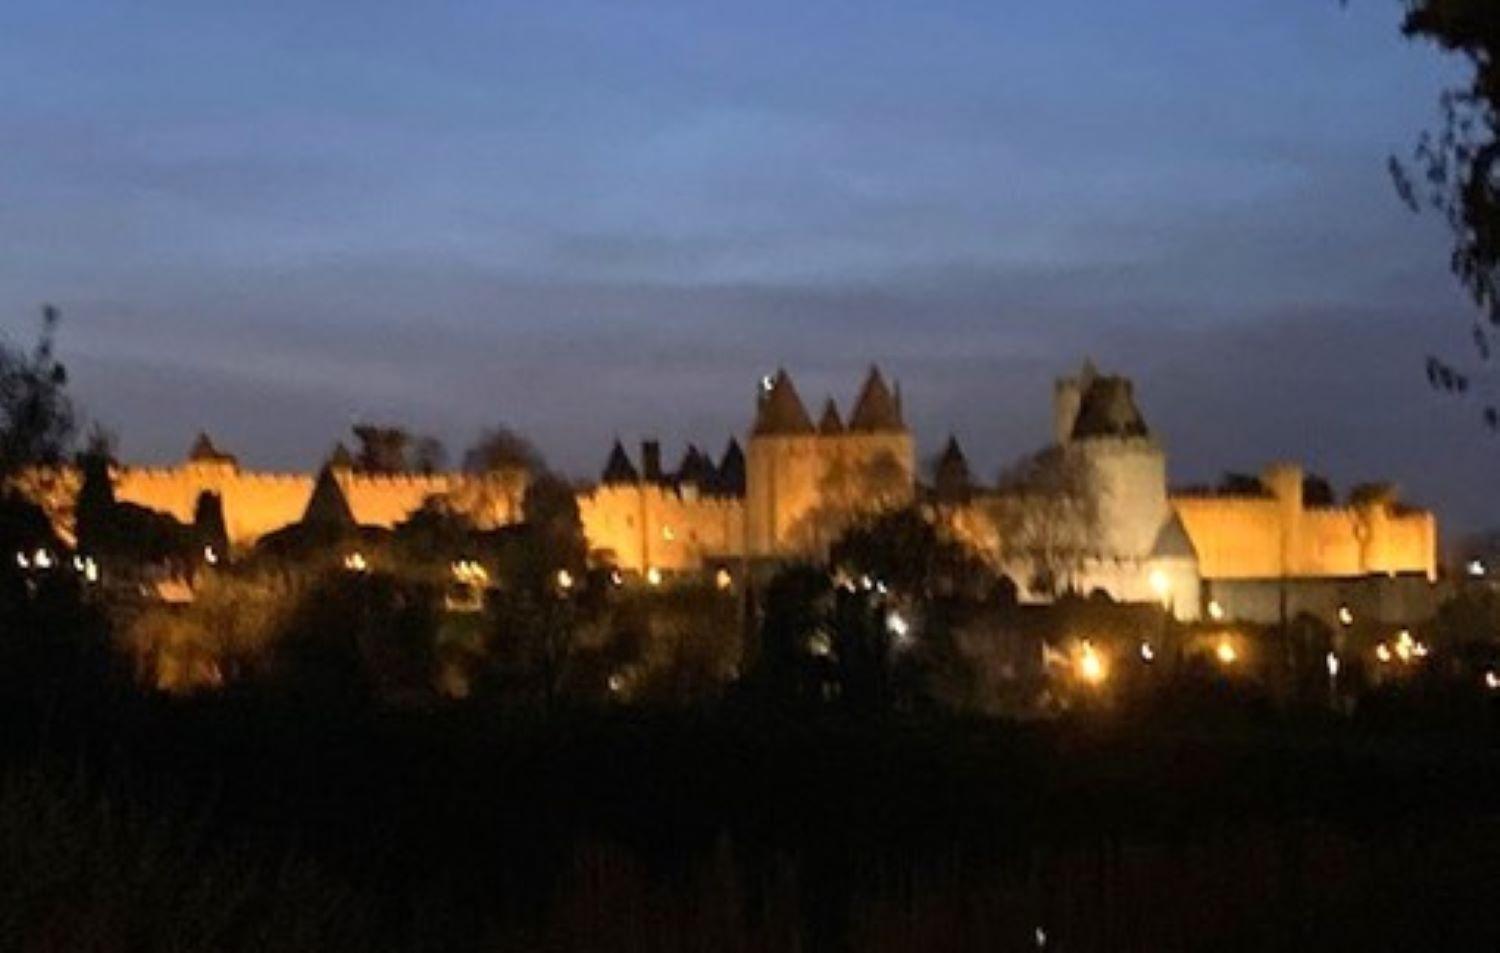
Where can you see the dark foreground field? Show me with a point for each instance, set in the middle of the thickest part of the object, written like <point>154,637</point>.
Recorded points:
<point>239,825</point>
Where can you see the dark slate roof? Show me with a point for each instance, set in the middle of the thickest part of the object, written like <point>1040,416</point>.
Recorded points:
<point>732,470</point>
<point>830,424</point>
<point>697,469</point>
<point>328,506</point>
<point>877,410</point>
<point>619,469</point>
<point>341,458</point>
<point>1173,542</point>
<point>780,411</point>
<point>204,451</point>
<point>952,480</point>
<point>1108,409</point>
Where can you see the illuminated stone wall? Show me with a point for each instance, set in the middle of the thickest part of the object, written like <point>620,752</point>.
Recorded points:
<point>1278,535</point>
<point>801,490</point>
<point>644,526</point>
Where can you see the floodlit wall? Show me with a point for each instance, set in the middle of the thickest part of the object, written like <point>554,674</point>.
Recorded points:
<point>649,526</point>
<point>1277,535</point>
<point>256,503</point>
<point>800,488</point>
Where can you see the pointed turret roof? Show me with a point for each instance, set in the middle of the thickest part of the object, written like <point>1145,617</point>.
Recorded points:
<point>877,409</point>
<point>696,468</point>
<point>204,451</point>
<point>1173,542</point>
<point>341,458</point>
<point>952,480</point>
<point>328,506</point>
<point>619,469</point>
<point>1108,409</point>
<point>780,411</point>
<point>732,470</point>
<point>830,424</point>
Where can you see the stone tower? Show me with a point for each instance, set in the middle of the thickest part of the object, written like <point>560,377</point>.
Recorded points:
<point>782,467</point>
<point>802,479</point>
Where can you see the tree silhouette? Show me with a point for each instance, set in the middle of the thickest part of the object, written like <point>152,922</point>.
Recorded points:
<point>1456,172</point>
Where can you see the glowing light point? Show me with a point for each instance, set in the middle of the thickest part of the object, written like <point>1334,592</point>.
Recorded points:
<point>209,556</point>
<point>564,580</point>
<point>1346,617</point>
<point>1148,654</point>
<point>1090,665</point>
<point>1215,611</point>
<point>1332,661</point>
<point>1477,568</point>
<point>1160,584</point>
<point>1383,652</point>
<point>356,562</point>
<point>1491,680</point>
<point>22,561</point>
<point>42,559</point>
<point>898,626</point>
<point>653,576</point>
<point>723,579</point>
<point>1226,653</point>
<point>616,684</point>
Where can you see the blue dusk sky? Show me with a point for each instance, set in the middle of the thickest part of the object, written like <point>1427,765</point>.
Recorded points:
<point>585,219</point>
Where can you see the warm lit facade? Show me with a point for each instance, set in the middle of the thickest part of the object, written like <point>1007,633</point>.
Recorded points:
<point>798,481</point>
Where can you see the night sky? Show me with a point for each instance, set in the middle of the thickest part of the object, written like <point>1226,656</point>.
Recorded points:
<point>583,219</point>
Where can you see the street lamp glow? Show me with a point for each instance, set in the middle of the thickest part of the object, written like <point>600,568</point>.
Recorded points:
<point>723,579</point>
<point>564,580</point>
<point>1346,617</point>
<point>1491,680</point>
<point>209,556</point>
<point>1383,652</point>
<point>356,562</point>
<point>1148,654</point>
<point>1215,611</point>
<point>1332,661</point>
<point>1160,584</point>
<point>653,576</point>
<point>1476,568</point>
<point>1091,666</point>
<point>1226,652</point>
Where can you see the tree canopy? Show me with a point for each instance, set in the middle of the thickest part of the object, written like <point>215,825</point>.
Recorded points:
<point>1455,170</point>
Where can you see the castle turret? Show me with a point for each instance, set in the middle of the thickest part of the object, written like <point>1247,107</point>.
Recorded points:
<point>830,424</point>
<point>952,481</point>
<point>876,410</point>
<point>618,469</point>
<point>783,466</point>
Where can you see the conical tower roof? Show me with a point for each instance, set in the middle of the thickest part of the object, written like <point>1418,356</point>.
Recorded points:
<point>204,451</point>
<point>619,469</point>
<point>696,468</point>
<point>1108,409</point>
<point>328,506</point>
<point>830,424</point>
<point>732,470</point>
<point>341,458</point>
<point>952,479</point>
<point>877,410</point>
<point>1173,541</point>
<point>780,411</point>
